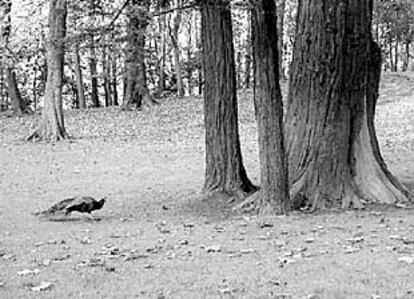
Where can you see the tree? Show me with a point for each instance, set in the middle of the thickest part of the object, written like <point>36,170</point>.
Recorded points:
<point>334,158</point>
<point>273,195</point>
<point>224,167</point>
<point>52,127</point>
<point>93,59</point>
<point>173,30</point>
<point>136,91</point>
<point>16,99</point>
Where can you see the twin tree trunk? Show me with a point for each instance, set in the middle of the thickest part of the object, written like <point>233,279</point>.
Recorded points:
<point>334,158</point>
<point>273,196</point>
<point>224,167</point>
<point>51,127</point>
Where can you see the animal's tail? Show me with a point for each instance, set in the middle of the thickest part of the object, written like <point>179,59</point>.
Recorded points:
<point>42,213</point>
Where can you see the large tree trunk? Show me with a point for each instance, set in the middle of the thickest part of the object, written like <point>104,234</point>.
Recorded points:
<point>334,159</point>
<point>224,167</point>
<point>51,127</point>
<point>136,92</point>
<point>273,196</point>
<point>79,78</point>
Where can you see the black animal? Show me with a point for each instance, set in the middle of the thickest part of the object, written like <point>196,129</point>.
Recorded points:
<point>81,204</point>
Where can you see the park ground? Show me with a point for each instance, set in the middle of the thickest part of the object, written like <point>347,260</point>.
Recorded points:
<point>158,237</point>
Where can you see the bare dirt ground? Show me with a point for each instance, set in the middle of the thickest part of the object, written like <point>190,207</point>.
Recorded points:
<point>156,237</point>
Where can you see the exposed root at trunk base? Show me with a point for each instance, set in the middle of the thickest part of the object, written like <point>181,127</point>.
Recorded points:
<point>256,204</point>
<point>147,101</point>
<point>310,193</point>
<point>44,135</point>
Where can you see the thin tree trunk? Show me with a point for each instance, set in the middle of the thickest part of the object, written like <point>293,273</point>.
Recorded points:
<point>333,160</point>
<point>3,102</point>
<point>189,47</point>
<point>224,166</point>
<point>176,20</point>
<point>407,55</point>
<point>396,56</point>
<point>106,70</point>
<point>273,196</point>
<point>94,74</point>
<point>51,127</point>
<point>14,93</point>
<point>161,64</point>
<point>17,103</point>
<point>79,78</point>
<point>114,81</point>
<point>391,57</point>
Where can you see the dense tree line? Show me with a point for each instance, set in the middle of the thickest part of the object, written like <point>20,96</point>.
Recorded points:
<point>326,152</point>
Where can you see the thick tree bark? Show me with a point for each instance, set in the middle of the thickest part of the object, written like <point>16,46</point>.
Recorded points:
<point>51,127</point>
<point>273,196</point>
<point>280,4</point>
<point>79,78</point>
<point>224,167</point>
<point>334,159</point>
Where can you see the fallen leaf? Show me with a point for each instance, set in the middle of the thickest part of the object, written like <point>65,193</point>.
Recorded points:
<point>407,259</point>
<point>43,286</point>
<point>351,249</point>
<point>86,240</point>
<point>9,257</point>
<point>283,261</point>
<point>27,272</point>
<point>407,241</point>
<point>247,251</point>
<point>213,248</point>
<point>134,256</point>
<point>46,262</point>
<point>265,224</point>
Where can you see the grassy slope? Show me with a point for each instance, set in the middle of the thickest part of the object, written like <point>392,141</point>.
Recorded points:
<point>150,165</point>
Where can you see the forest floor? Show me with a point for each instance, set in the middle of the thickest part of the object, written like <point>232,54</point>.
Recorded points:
<point>157,237</point>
